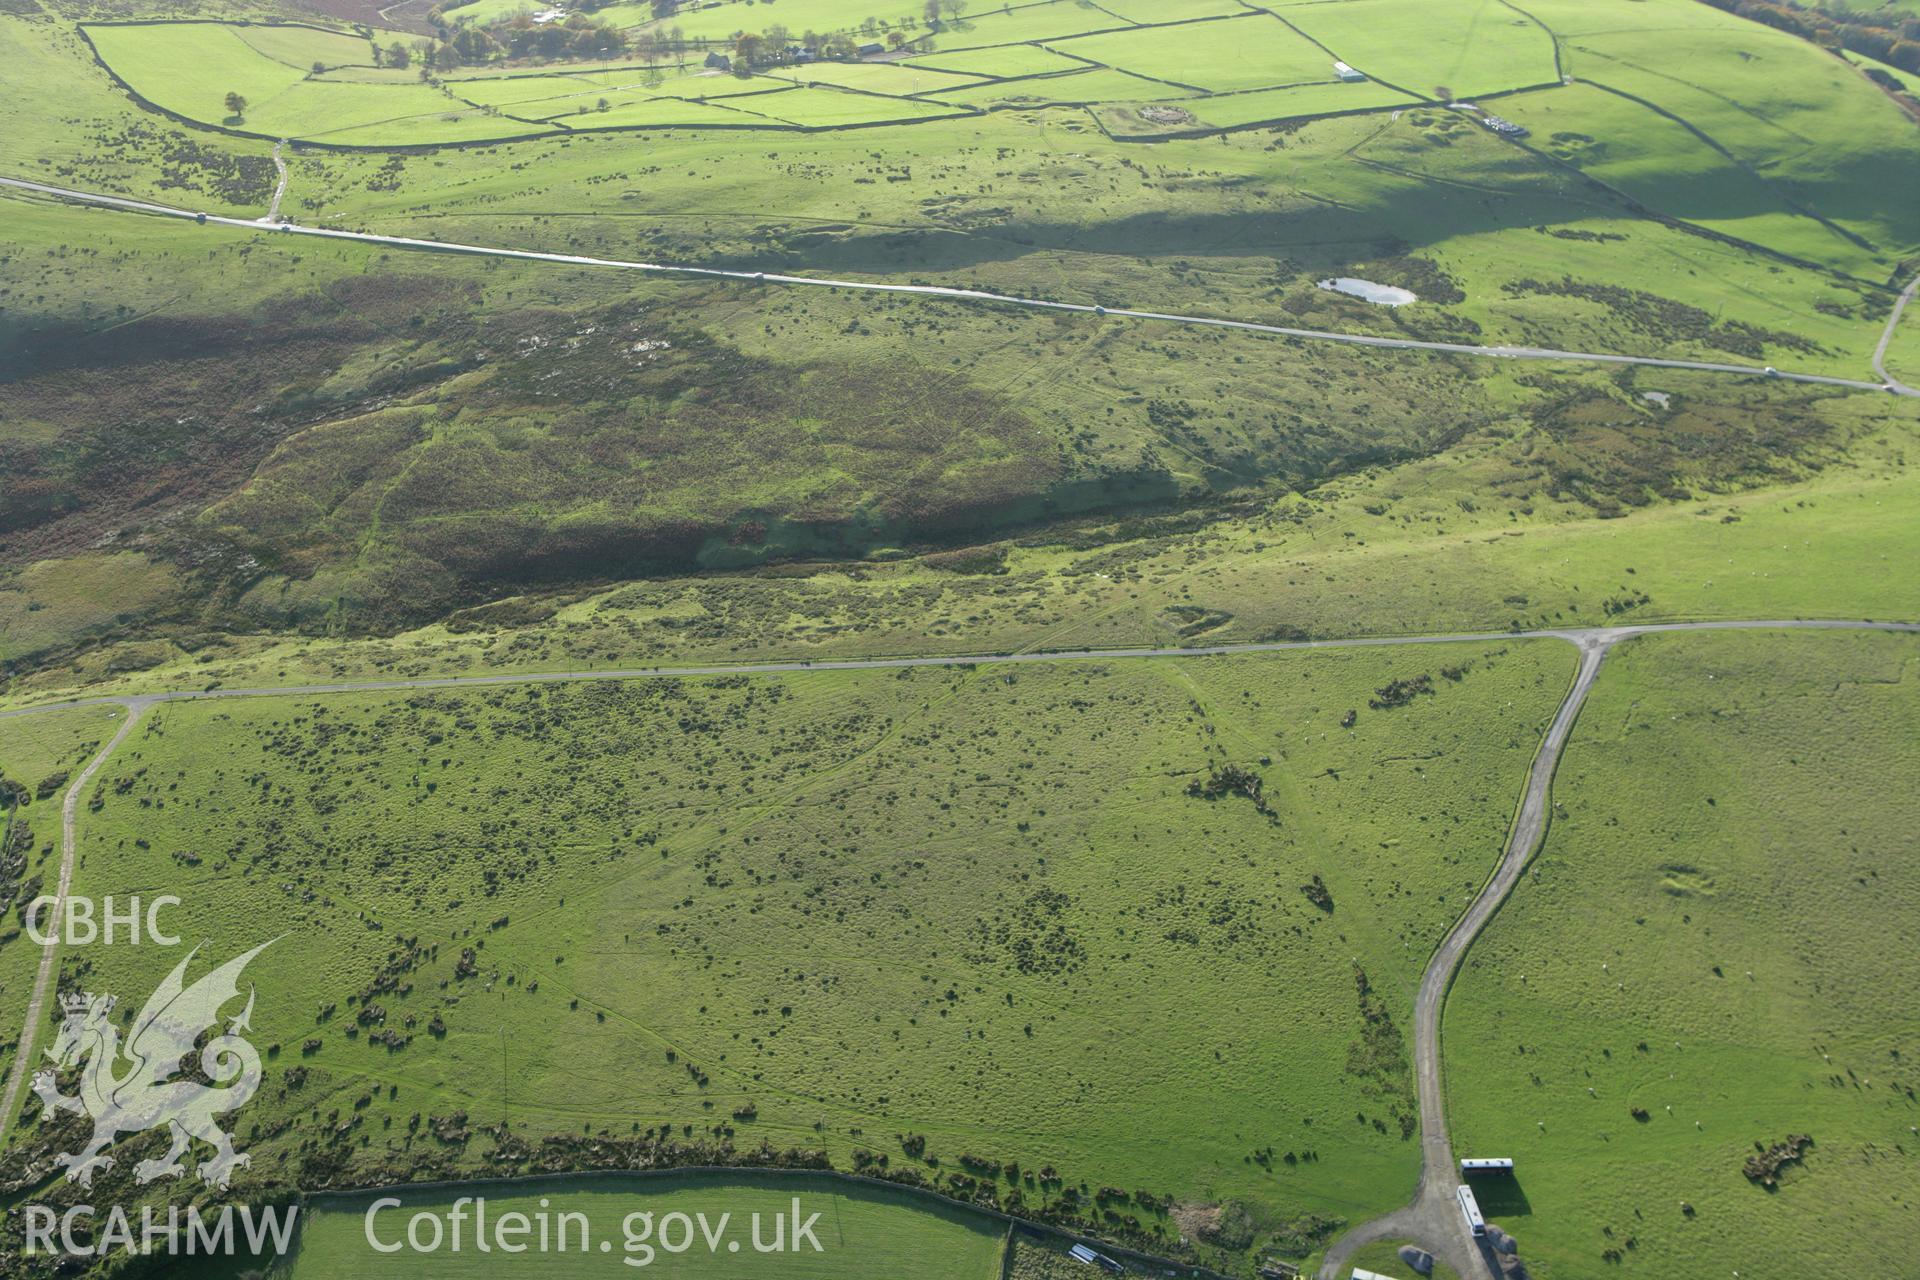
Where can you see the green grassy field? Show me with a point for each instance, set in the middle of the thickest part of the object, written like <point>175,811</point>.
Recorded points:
<point>1239,53</point>
<point>349,103</point>
<point>1717,192</point>
<point>1901,77</point>
<point>733,111</point>
<point>878,77</point>
<point>822,894</point>
<point>39,746</point>
<point>1903,353</point>
<point>822,107</point>
<point>1000,60</point>
<point>361,107</point>
<point>1238,109</point>
<point>1096,84</point>
<point>1384,1259</point>
<point>1796,158</point>
<point>1705,959</point>
<point>864,1233</point>
<point>301,47</point>
<point>1465,47</point>
<point>1158,11</point>
<point>1051,20</point>
<point>47,603</point>
<point>373,114</point>
<point>630,97</point>
<point>190,67</point>
<point>516,92</point>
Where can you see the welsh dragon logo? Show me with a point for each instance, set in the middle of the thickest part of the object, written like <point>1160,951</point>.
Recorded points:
<point>147,1094</point>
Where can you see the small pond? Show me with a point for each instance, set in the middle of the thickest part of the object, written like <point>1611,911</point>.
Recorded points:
<point>1385,295</point>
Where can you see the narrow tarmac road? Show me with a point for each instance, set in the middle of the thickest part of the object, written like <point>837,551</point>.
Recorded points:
<point>955,294</point>
<point>280,185</point>
<point>1433,1221</point>
<point>43,977</point>
<point>1886,340</point>
<point>1573,635</point>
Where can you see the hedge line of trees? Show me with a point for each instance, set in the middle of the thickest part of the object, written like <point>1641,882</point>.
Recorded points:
<point>458,42</point>
<point>463,44</point>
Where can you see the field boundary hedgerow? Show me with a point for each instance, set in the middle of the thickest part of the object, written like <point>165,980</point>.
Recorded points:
<point>147,104</point>
<point>544,129</point>
<point>558,127</point>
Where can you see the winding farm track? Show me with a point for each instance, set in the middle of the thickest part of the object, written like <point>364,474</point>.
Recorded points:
<point>1886,340</point>
<point>955,294</point>
<point>43,977</point>
<point>280,184</point>
<point>1431,1220</point>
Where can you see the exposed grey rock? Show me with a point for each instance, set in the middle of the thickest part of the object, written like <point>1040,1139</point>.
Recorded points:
<point>1419,1259</point>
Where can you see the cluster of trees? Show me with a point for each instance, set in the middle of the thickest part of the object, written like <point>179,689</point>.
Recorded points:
<point>776,45</point>
<point>424,52</point>
<point>933,11</point>
<point>459,43</point>
<point>952,9</point>
<point>1886,35</point>
<point>575,36</point>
